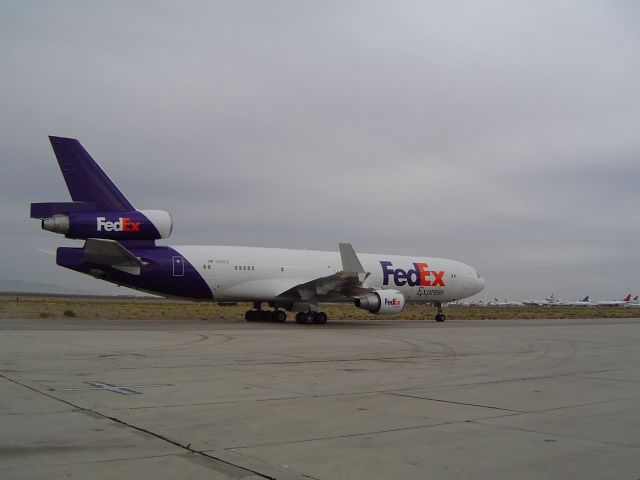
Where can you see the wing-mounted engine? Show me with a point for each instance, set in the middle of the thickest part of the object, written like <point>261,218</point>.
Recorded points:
<point>132,225</point>
<point>350,282</point>
<point>384,302</point>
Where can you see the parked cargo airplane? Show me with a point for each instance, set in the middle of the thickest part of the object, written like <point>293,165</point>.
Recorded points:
<point>120,247</point>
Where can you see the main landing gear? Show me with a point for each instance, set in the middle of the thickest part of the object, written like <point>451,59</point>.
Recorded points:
<point>280,316</point>
<point>257,315</point>
<point>440,317</point>
<point>319,318</point>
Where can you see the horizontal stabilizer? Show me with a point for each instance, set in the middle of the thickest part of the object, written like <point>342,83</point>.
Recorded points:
<point>49,209</point>
<point>112,254</point>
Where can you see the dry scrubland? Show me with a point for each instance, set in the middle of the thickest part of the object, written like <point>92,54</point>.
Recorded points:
<point>30,307</point>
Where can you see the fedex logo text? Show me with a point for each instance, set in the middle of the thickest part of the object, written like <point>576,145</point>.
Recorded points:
<point>420,275</point>
<point>124,224</point>
<point>392,301</point>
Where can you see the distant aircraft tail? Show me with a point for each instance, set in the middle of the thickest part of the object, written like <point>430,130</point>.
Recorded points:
<point>627,298</point>
<point>585,299</point>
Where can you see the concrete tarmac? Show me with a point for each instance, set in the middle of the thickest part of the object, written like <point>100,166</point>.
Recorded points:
<point>362,400</point>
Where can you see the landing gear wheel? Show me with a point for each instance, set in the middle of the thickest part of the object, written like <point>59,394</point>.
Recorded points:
<point>440,317</point>
<point>265,316</point>
<point>311,318</point>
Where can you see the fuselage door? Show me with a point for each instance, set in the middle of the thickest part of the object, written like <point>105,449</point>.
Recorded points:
<point>178,266</point>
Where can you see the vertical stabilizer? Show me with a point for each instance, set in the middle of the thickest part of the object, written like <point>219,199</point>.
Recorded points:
<point>85,179</point>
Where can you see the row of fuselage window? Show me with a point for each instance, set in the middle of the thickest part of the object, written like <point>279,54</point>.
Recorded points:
<point>244,267</point>
<point>236,267</point>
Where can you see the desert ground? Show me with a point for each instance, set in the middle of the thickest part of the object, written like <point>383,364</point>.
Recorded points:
<point>14,306</point>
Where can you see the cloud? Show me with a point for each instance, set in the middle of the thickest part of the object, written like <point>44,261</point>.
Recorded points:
<point>502,134</point>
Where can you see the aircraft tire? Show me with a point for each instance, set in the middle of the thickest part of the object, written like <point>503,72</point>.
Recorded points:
<point>279,316</point>
<point>440,317</point>
<point>300,317</point>
<point>310,317</point>
<point>322,318</point>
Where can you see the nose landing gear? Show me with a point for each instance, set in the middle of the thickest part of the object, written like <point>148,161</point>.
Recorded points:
<point>440,317</point>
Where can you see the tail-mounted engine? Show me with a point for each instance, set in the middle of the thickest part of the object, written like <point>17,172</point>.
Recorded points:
<point>384,302</point>
<point>132,225</point>
<point>99,209</point>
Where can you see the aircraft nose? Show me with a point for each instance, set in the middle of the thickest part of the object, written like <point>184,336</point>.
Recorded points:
<point>479,283</point>
<point>472,282</point>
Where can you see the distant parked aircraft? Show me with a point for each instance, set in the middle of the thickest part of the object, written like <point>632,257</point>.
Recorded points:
<point>615,303</point>
<point>498,303</point>
<point>585,302</point>
<point>549,301</point>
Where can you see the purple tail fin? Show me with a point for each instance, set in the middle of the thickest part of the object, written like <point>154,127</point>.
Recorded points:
<point>85,179</point>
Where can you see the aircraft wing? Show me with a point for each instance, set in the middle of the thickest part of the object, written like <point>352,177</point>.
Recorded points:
<point>348,282</point>
<point>112,254</point>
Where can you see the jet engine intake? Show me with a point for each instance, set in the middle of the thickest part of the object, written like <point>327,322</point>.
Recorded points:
<point>384,302</point>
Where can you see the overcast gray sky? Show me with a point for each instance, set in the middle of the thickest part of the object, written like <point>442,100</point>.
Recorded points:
<point>505,134</point>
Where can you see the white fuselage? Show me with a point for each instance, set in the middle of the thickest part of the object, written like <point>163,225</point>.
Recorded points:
<point>237,274</point>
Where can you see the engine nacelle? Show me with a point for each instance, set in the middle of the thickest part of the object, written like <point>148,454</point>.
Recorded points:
<point>384,302</point>
<point>135,225</point>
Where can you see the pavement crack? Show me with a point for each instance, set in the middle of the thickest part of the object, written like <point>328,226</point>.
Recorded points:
<point>549,434</point>
<point>346,435</point>
<point>140,429</point>
<point>456,403</point>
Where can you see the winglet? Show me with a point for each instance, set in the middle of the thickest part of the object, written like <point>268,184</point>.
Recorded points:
<point>350,261</point>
